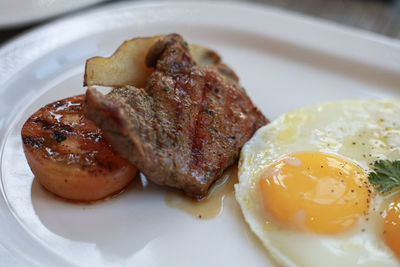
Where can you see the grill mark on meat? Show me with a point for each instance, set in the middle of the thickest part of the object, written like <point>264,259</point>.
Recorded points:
<point>178,91</point>
<point>196,138</point>
<point>227,110</point>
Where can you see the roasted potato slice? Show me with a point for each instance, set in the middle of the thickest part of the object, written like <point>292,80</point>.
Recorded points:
<point>127,65</point>
<point>204,56</point>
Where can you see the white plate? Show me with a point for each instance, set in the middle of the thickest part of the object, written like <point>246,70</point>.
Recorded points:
<point>21,12</point>
<point>284,60</point>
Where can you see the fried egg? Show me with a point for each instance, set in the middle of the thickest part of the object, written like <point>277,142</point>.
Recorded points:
<point>304,190</point>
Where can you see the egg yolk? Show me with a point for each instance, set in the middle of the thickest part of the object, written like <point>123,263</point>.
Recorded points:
<point>315,192</point>
<point>391,231</point>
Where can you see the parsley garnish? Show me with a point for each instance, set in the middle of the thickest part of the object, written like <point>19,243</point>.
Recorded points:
<point>386,175</point>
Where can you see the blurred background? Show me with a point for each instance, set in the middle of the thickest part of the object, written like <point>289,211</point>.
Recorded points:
<point>379,16</point>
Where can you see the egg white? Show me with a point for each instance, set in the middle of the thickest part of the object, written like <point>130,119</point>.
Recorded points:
<point>360,131</point>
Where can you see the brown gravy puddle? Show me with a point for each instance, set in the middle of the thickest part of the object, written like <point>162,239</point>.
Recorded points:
<point>212,205</point>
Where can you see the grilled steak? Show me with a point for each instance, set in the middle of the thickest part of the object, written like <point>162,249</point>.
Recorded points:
<point>186,126</point>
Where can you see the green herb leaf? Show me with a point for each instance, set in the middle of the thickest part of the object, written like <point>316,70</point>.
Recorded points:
<point>386,175</point>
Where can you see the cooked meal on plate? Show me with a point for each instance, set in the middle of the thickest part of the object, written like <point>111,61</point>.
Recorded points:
<point>318,186</point>
<point>305,184</point>
<point>182,129</point>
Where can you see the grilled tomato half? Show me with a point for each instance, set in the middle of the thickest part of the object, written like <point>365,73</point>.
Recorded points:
<point>69,156</point>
